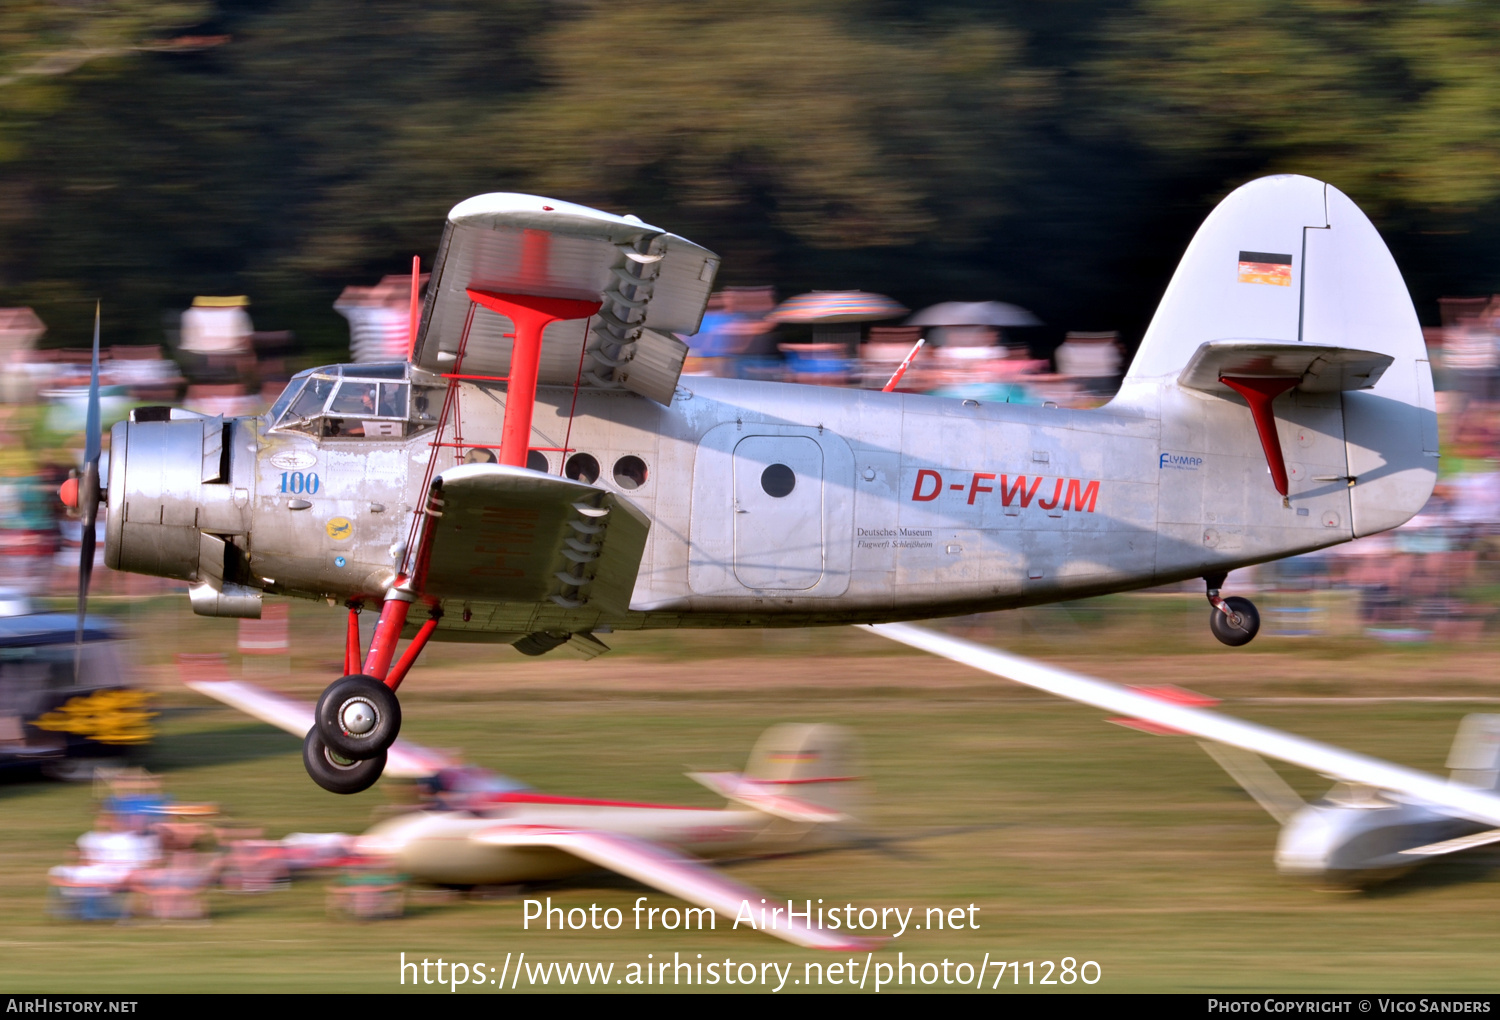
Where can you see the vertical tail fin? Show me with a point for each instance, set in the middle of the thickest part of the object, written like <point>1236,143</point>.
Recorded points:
<point>815,763</point>
<point>1287,281</point>
<point>1475,756</point>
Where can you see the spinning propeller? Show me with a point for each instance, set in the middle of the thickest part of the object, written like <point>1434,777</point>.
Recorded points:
<point>82,494</point>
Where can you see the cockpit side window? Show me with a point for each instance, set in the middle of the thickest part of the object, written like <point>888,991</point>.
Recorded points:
<point>357,401</point>
<point>354,397</point>
<point>285,400</point>
<point>310,401</point>
<point>392,400</point>
<point>426,402</point>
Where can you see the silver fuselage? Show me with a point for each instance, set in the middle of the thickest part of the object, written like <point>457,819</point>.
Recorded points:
<point>902,507</point>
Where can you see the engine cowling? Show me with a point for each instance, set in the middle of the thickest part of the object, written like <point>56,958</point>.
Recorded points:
<point>179,498</point>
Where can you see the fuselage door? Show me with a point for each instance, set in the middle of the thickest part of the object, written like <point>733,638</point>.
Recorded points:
<point>778,512</point>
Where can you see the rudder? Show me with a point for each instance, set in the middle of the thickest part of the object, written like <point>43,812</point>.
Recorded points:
<point>814,762</point>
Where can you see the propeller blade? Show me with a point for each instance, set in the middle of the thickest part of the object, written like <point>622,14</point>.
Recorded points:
<point>88,501</point>
<point>92,439</point>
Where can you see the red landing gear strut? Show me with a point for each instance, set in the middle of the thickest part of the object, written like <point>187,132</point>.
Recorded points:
<point>359,716</point>
<point>1234,620</point>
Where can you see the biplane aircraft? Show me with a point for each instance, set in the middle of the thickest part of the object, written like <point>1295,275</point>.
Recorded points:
<point>538,474</point>
<point>796,794</point>
<point>1378,821</point>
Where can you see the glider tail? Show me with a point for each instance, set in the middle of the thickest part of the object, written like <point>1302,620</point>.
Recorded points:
<point>817,764</point>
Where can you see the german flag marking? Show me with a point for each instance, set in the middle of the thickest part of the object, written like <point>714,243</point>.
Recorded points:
<point>1266,267</point>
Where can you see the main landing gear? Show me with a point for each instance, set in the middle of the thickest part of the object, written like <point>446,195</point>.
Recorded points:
<point>1234,621</point>
<point>358,715</point>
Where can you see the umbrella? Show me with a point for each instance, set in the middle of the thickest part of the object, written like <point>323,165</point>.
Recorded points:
<point>974,313</point>
<point>826,306</point>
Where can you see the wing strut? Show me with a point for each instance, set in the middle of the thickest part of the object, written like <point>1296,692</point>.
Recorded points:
<point>531,314</point>
<point>1259,393</point>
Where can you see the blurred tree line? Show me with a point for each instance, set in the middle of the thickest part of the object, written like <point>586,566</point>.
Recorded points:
<point>1057,155</point>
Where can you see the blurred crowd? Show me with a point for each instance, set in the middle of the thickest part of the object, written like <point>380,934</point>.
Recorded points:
<point>981,350</point>
<point>151,856</point>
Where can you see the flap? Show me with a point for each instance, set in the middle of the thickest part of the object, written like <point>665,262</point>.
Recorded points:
<point>1321,369</point>
<point>673,873</point>
<point>510,534</point>
<point>652,284</point>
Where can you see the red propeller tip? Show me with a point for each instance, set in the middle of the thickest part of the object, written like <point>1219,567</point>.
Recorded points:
<point>68,493</point>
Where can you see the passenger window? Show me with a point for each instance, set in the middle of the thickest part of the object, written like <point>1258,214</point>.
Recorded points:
<point>630,472</point>
<point>778,481</point>
<point>582,468</point>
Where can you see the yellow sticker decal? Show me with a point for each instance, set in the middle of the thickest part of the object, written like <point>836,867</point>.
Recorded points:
<point>339,528</point>
<point>115,716</point>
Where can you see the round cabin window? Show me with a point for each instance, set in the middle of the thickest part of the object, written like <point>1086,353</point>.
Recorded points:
<point>582,468</point>
<point>778,480</point>
<point>630,472</point>
<point>536,460</point>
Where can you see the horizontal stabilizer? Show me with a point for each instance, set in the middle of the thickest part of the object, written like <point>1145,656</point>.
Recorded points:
<point>1172,694</point>
<point>404,760</point>
<point>763,797</point>
<point>1318,369</point>
<point>673,873</point>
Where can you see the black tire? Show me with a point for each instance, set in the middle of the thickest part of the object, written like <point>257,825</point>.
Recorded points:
<point>351,692</point>
<point>1237,628</point>
<point>335,773</point>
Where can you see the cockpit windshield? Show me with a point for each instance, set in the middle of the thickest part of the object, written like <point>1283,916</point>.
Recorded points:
<point>358,401</point>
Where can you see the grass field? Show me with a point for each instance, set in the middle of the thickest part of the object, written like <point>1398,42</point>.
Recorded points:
<point>1073,837</point>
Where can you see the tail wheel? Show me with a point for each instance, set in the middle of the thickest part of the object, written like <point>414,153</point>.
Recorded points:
<point>358,717</point>
<point>1239,625</point>
<point>335,773</point>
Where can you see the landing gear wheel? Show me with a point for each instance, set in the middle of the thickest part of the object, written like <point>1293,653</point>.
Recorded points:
<point>358,717</point>
<point>1239,625</point>
<point>335,773</point>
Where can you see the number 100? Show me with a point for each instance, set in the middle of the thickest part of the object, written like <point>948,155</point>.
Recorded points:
<point>296,481</point>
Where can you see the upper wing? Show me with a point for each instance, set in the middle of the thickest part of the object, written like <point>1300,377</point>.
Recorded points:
<point>1334,762</point>
<point>672,873</point>
<point>652,284</point>
<point>404,760</point>
<point>509,534</point>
